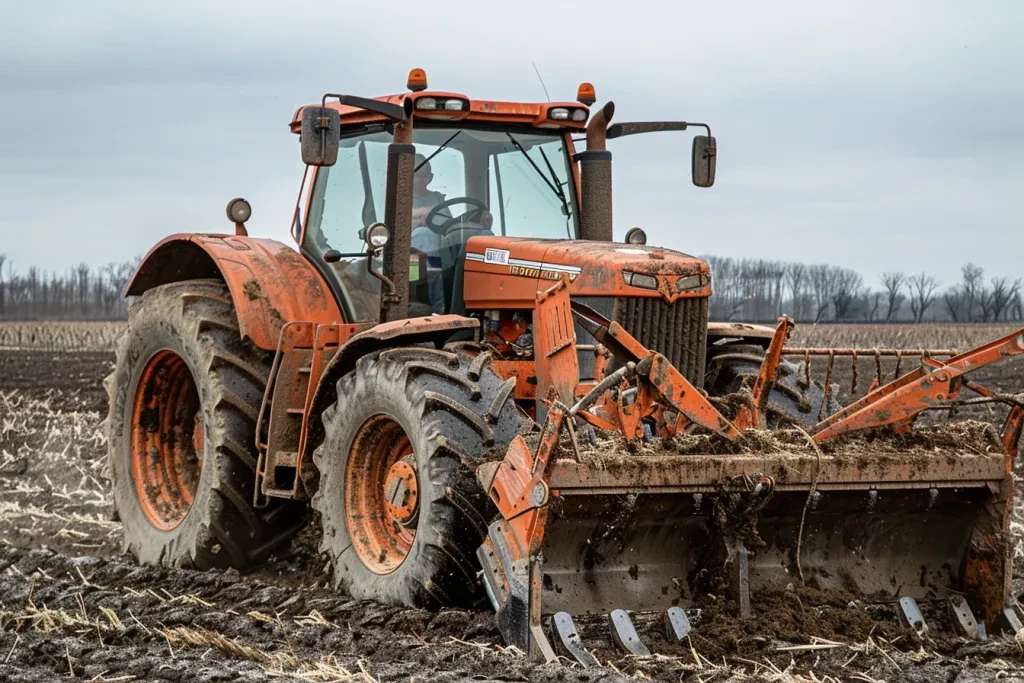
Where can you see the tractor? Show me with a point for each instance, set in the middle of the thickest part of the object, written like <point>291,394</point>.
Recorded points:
<point>459,374</point>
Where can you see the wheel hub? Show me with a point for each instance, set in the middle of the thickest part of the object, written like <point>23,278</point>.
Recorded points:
<point>401,493</point>
<point>167,440</point>
<point>381,494</point>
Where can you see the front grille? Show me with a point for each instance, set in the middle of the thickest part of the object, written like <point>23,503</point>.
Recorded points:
<point>678,331</point>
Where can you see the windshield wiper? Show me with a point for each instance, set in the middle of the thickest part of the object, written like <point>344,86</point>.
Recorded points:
<point>437,151</point>
<point>556,186</point>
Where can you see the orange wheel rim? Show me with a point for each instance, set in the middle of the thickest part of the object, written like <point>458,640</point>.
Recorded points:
<point>381,494</point>
<point>167,440</point>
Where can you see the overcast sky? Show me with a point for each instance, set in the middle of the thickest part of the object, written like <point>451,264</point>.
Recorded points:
<point>874,135</point>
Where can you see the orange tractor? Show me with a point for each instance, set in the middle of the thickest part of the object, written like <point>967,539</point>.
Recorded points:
<point>470,398</point>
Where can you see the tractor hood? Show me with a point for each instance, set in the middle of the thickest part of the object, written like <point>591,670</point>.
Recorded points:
<point>503,272</point>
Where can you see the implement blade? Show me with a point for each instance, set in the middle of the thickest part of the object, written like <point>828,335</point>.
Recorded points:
<point>649,532</point>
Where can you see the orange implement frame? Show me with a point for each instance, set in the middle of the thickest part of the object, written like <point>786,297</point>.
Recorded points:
<point>753,416</point>
<point>933,384</point>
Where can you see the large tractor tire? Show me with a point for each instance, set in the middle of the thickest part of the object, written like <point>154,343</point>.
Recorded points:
<point>184,398</point>
<point>401,510</point>
<point>732,370</point>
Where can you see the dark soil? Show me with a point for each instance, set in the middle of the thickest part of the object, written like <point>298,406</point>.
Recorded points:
<point>72,606</point>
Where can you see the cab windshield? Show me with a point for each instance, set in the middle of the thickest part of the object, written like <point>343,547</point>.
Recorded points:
<point>469,181</point>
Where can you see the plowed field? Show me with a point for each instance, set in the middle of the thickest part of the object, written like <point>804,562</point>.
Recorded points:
<point>73,607</point>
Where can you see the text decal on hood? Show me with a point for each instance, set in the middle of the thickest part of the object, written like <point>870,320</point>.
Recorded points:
<point>522,267</point>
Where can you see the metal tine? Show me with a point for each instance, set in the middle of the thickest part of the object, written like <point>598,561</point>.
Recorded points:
<point>964,617</point>
<point>1008,621</point>
<point>912,616</point>
<point>564,630</point>
<point>624,633</point>
<point>677,625</point>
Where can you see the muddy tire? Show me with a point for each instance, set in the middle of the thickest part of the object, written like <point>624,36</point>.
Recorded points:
<point>732,369</point>
<point>183,399</point>
<point>400,410</point>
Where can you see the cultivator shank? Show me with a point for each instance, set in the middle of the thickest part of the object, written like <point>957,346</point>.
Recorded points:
<point>596,531</point>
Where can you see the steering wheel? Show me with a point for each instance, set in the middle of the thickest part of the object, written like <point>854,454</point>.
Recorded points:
<point>432,222</point>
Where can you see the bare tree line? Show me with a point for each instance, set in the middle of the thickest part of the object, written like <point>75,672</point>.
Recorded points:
<point>81,292</point>
<point>743,290</point>
<point>762,290</point>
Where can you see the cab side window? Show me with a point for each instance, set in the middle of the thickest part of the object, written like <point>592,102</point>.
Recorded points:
<point>346,198</point>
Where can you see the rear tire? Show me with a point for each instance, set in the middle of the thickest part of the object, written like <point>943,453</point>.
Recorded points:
<point>733,368</point>
<point>433,412</point>
<point>184,398</point>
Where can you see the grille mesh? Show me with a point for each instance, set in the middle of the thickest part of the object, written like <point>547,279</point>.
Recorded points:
<point>678,330</point>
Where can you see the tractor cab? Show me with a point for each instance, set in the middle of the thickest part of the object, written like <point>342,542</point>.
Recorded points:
<point>469,179</point>
<point>432,170</point>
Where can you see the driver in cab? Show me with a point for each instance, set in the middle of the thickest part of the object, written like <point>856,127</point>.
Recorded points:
<point>423,198</point>
<point>425,238</point>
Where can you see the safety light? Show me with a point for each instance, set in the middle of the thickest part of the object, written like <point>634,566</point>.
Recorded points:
<point>417,80</point>
<point>586,94</point>
<point>377,235</point>
<point>426,103</point>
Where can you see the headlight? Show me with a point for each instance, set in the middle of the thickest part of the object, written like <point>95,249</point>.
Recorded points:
<point>636,236</point>
<point>579,114</point>
<point>378,235</point>
<point>559,114</point>
<point>442,104</point>
<point>239,210</point>
<point>689,282</point>
<point>640,280</point>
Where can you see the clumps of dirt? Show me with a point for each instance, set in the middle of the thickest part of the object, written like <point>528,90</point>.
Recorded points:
<point>796,616</point>
<point>254,292</point>
<point>950,438</point>
<point>963,436</point>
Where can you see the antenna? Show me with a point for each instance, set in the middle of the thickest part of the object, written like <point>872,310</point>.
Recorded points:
<point>537,71</point>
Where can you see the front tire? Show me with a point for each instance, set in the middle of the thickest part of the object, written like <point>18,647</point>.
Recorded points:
<point>184,399</point>
<point>401,510</point>
<point>732,370</point>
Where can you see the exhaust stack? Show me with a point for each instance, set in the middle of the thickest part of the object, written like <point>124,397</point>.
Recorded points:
<point>596,178</point>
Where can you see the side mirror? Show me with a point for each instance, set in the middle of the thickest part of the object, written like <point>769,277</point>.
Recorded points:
<point>702,165</point>
<point>320,136</point>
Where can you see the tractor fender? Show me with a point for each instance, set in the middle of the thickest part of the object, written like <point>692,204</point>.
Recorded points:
<point>270,283</point>
<point>740,333</point>
<point>432,330</point>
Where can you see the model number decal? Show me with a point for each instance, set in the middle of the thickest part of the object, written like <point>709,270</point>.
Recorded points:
<point>499,256</point>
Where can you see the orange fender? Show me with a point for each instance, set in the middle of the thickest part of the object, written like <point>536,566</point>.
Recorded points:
<point>270,283</point>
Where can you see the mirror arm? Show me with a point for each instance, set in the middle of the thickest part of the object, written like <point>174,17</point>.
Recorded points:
<point>395,112</point>
<point>619,130</point>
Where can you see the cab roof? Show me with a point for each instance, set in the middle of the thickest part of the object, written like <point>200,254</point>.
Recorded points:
<point>489,111</point>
